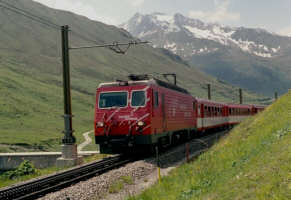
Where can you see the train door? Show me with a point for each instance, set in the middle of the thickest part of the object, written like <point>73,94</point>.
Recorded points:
<point>201,116</point>
<point>196,110</point>
<point>164,113</point>
<point>156,113</point>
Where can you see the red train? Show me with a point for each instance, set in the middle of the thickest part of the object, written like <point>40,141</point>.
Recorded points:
<point>145,112</point>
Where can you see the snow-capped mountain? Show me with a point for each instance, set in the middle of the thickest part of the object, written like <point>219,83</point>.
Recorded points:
<point>254,59</point>
<point>186,37</point>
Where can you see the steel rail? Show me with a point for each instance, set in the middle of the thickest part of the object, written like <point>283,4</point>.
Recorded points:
<point>35,188</point>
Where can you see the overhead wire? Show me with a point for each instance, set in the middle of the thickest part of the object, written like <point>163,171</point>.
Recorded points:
<point>29,15</point>
<point>39,19</point>
<point>114,47</point>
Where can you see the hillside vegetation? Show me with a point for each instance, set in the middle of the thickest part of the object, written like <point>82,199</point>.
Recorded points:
<point>31,100</point>
<point>252,162</point>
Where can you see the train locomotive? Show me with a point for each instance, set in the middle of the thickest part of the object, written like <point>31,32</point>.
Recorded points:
<point>145,112</point>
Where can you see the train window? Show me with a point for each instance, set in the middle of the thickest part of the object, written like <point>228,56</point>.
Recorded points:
<point>138,98</point>
<point>156,99</point>
<point>194,105</point>
<point>112,99</point>
<point>229,111</point>
<point>199,108</point>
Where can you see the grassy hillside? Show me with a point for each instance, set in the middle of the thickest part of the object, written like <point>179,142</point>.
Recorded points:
<point>31,101</point>
<point>253,162</point>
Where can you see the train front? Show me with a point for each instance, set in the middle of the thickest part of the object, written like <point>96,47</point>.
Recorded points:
<point>122,116</point>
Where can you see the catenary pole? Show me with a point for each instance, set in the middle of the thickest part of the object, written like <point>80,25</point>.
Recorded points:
<point>240,96</point>
<point>68,137</point>
<point>209,91</point>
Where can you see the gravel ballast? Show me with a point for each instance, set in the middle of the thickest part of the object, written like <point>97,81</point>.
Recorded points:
<point>141,174</point>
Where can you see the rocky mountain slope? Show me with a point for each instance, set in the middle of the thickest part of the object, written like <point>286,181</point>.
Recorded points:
<point>250,58</point>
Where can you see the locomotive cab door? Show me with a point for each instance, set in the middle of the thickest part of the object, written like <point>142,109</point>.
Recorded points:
<point>157,113</point>
<point>201,115</point>
<point>196,109</point>
<point>164,113</point>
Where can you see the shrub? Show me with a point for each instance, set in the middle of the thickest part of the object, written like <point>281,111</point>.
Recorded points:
<point>25,168</point>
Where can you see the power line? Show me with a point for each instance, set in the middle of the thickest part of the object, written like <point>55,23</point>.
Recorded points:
<point>29,15</point>
<point>114,47</point>
<point>39,19</point>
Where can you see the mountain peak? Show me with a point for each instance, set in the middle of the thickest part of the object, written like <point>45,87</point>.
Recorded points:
<point>179,33</point>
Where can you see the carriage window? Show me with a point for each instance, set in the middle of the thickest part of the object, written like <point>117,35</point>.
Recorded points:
<point>199,112</point>
<point>138,98</point>
<point>156,99</point>
<point>112,99</point>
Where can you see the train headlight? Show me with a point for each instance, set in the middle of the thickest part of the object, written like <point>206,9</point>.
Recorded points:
<point>100,124</point>
<point>140,123</point>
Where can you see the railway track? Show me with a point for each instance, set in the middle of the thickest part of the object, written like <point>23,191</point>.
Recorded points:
<point>36,188</point>
<point>39,187</point>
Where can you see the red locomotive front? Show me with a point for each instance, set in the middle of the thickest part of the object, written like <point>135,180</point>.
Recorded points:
<point>141,114</point>
<point>122,114</point>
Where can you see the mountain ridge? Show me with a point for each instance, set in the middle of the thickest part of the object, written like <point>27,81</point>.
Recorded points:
<point>219,50</point>
<point>240,37</point>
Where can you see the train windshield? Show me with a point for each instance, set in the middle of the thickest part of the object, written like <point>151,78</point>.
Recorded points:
<point>112,99</point>
<point>138,98</point>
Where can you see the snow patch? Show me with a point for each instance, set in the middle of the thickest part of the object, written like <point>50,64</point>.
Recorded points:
<point>167,18</point>
<point>276,50</point>
<point>265,55</point>
<point>143,34</point>
<point>171,46</point>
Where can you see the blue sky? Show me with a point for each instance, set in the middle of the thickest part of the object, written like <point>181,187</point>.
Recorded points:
<point>272,15</point>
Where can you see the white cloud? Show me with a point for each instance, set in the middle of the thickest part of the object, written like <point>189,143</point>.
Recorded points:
<point>136,3</point>
<point>220,14</point>
<point>286,31</point>
<point>79,7</point>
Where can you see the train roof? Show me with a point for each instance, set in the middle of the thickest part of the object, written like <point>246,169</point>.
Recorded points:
<point>236,105</point>
<point>150,81</point>
<point>210,101</point>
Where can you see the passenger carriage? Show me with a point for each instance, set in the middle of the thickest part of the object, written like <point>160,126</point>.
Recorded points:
<point>211,115</point>
<point>238,112</point>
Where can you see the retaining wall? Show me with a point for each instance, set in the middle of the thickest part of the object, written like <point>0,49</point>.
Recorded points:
<point>39,159</point>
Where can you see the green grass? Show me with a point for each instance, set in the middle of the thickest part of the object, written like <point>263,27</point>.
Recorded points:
<point>116,187</point>
<point>30,112</point>
<point>119,184</point>
<point>6,181</point>
<point>252,162</point>
<point>127,179</point>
